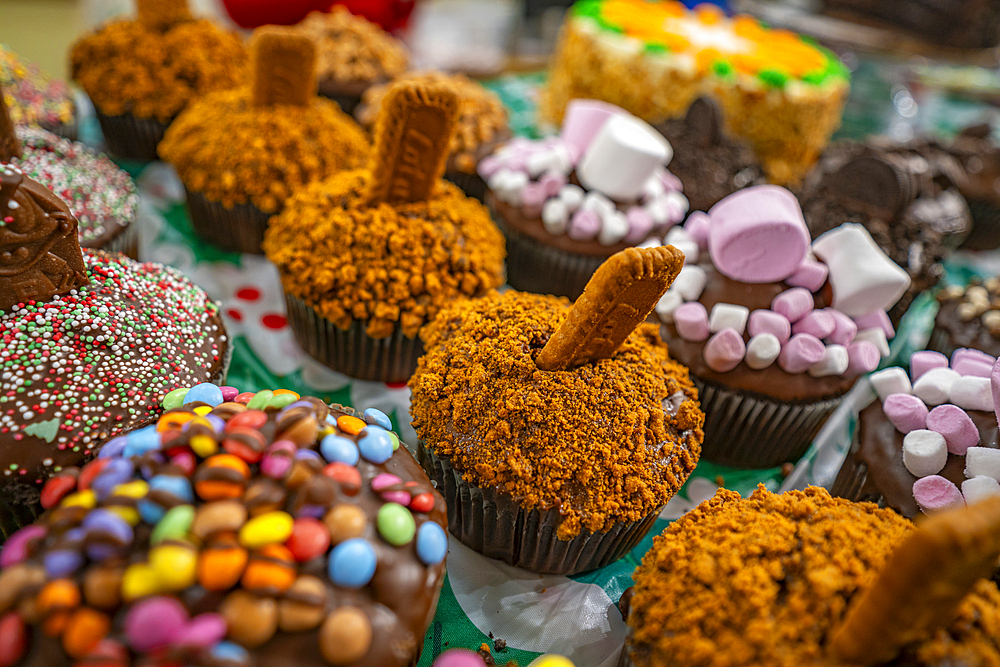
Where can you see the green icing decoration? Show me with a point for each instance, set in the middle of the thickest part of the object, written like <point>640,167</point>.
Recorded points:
<point>45,430</point>
<point>772,77</point>
<point>655,48</point>
<point>591,8</point>
<point>723,69</point>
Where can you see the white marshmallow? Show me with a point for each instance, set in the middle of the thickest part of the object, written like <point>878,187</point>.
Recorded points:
<point>834,362</point>
<point>863,278</point>
<point>498,181</point>
<point>876,337</point>
<point>979,488</point>
<point>890,381</point>
<point>651,242</point>
<point>562,161</point>
<point>572,196</point>
<point>668,303</point>
<point>658,211</point>
<point>598,203</point>
<point>540,162</point>
<point>762,350</point>
<point>690,282</point>
<point>690,250</point>
<point>555,217</point>
<point>924,452</point>
<point>677,235</point>
<point>679,200</point>
<point>728,316</point>
<point>970,392</point>
<point>982,461</point>
<point>614,227</point>
<point>653,188</point>
<point>934,386</point>
<point>511,187</point>
<point>623,155</point>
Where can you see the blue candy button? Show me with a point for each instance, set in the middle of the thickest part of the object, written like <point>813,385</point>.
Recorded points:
<point>141,441</point>
<point>375,444</point>
<point>352,563</point>
<point>379,418</point>
<point>206,392</point>
<point>113,448</point>
<point>432,543</point>
<point>338,448</point>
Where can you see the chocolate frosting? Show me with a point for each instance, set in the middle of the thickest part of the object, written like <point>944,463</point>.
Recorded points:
<point>954,332</point>
<point>963,24</point>
<point>711,164</point>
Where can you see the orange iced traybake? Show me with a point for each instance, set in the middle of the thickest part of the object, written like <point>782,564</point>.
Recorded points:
<point>779,90</point>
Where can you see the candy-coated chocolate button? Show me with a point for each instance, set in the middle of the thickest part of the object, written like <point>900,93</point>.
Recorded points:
<point>432,543</point>
<point>346,636</point>
<point>379,418</point>
<point>260,399</point>
<point>249,419</point>
<point>346,475</point>
<point>422,502</point>
<point>175,565</point>
<point>459,657</point>
<point>153,623</point>
<point>206,392</point>
<point>352,563</point>
<point>551,660</point>
<point>338,448</point>
<point>375,444</point>
<point>281,400</point>
<point>138,581</point>
<point>271,568</point>
<point>86,627</point>
<point>310,539</point>
<point>350,425</point>
<point>221,565</point>
<point>174,525</point>
<point>56,489</point>
<point>244,398</point>
<point>395,440</point>
<point>395,524</point>
<point>268,528</point>
<point>175,398</point>
<point>229,393</point>
<point>344,522</point>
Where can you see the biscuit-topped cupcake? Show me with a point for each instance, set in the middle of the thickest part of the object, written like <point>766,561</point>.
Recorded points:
<point>557,433</point>
<point>369,256</point>
<point>140,73</point>
<point>261,530</point>
<point>34,98</point>
<point>242,153</point>
<point>90,343</point>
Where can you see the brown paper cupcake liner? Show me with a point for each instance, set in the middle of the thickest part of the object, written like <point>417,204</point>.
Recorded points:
<point>985,234</point>
<point>239,229</point>
<point>126,241</point>
<point>536,267</point>
<point>130,137</point>
<point>496,526</point>
<point>353,352</point>
<point>851,479</point>
<point>472,185</point>
<point>746,430</point>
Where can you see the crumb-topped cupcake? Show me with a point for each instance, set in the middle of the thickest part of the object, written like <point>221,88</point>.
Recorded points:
<point>567,203</point>
<point>482,124</point>
<point>100,196</point>
<point>929,442</point>
<point>805,579</point>
<point>775,329</point>
<point>241,153</point>
<point>140,73</point>
<point>557,433</point>
<point>978,153</point>
<point>265,529</point>
<point>968,316</point>
<point>369,256</point>
<point>90,343</point>
<point>353,54</point>
<point>34,98</point>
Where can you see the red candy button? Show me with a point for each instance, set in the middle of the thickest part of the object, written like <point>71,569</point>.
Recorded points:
<point>422,502</point>
<point>90,471</point>
<point>244,398</point>
<point>13,640</point>
<point>249,419</point>
<point>309,539</point>
<point>56,489</point>
<point>348,477</point>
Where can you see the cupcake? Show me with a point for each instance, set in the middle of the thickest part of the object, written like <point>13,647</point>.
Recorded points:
<point>100,196</point>
<point>969,317</point>
<point>141,73</point>
<point>482,124</point>
<point>369,256</point>
<point>91,343</point>
<point>241,153</point>
<point>353,54</point>
<point>978,153</point>
<point>709,163</point>
<point>263,530</point>
<point>805,579</point>
<point>775,329</point>
<point>567,203</point>
<point>557,433</point>
<point>34,98</point>
<point>907,196</point>
<point>928,442</point>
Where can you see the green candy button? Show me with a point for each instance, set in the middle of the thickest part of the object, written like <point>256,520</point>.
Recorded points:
<point>395,524</point>
<point>260,399</point>
<point>175,399</point>
<point>280,401</point>
<point>395,440</point>
<point>174,525</point>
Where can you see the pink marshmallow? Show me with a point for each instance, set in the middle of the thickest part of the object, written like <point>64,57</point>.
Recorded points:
<point>583,120</point>
<point>863,357</point>
<point>800,352</point>
<point>640,224</point>
<point>844,328</point>
<point>671,182</point>
<point>877,320</point>
<point>697,226</point>
<point>935,493</point>
<point>923,361</point>
<point>758,235</point>
<point>906,412</point>
<point>811,275</point>
<point>793,303</point>
<point>956,426</point>
<point>724,351</point>
<point>488,166</point>
<point>584,225</point>
<point>768,321</point>
<point>532,198</point>
<point>972,366</point>
<point>966,353</point>
<point>818,323</point>
<point>691,321</point>
<point>552,182</point>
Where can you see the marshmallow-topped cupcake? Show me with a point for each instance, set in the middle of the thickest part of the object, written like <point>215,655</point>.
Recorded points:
<point>930,440</point>
<point>774,328</point>
<point>567,203</point>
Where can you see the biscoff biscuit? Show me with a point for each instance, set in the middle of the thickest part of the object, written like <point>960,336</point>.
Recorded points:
<point>161,14</point>
<point>284,67</point>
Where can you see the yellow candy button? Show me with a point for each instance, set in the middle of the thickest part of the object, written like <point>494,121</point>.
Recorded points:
<point>269,528</point>
<point>139,581</point>
<point>202,410</point>
<point>85,499</point>
<point>551,660</point>
<point>175,566</point>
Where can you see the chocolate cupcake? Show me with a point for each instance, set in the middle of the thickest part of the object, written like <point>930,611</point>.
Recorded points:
<point>241,153</point>
<point>353,54</point>
<point>557,433</point>
<point>34,98</point>
<point>90,343</point>
<point>968,317</point>
<point>805,579</point>
<point>141,73</point>
<point>710,164</point>
<point>978,153</point>
<point>369,256</point>
<point>565,204</point>
<point>775,329</point>
<point>482,124</point>
<point>100,196</point>
<point>906,195</point>
<point>265,530</point>
<point>928,434</point>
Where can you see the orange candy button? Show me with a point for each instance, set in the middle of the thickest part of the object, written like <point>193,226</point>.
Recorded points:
<point>350,425</point>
